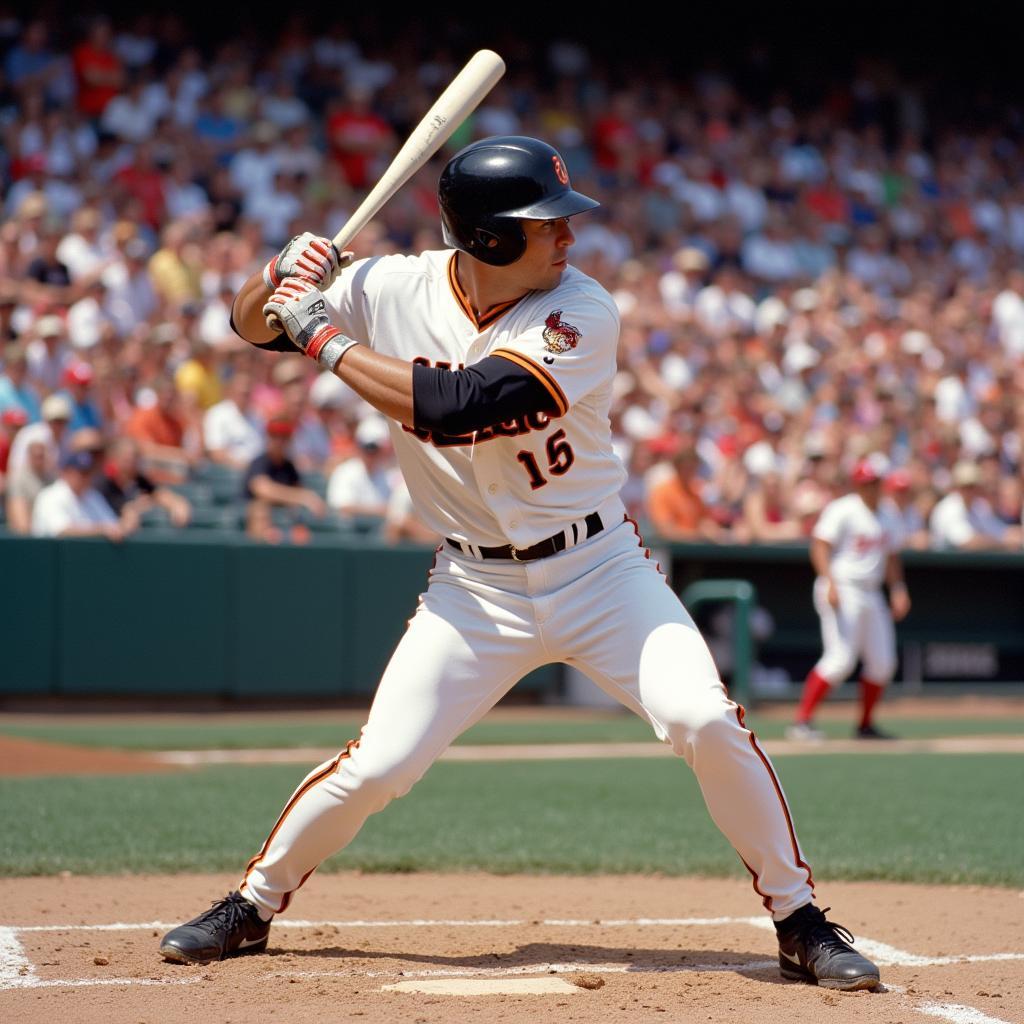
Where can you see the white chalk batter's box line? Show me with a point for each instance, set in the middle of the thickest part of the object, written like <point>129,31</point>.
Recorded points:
<point>17,971</point>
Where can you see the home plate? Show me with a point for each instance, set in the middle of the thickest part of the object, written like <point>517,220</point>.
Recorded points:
<point>487,987</point>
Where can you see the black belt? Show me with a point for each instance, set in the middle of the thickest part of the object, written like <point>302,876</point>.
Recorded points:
<point>542,549</point>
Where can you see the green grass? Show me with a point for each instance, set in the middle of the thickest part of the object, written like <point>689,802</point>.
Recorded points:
<point>924,818</point>
<point>336,729</point>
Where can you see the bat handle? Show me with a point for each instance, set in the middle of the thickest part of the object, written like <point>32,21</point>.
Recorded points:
<point>273,324</point>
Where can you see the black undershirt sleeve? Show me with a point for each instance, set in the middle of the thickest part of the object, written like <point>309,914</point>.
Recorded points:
<point>457,402</point>
<point>278,344</point>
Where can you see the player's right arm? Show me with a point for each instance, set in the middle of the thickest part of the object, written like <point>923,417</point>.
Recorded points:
<point>821,560</point>
<point>827,533</point>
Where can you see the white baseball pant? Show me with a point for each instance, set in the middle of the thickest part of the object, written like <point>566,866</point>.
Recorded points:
<point>861,627</point>
<point>602,606</point>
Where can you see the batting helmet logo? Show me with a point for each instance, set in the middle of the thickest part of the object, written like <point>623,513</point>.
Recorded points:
<point>559,336</point>
<point>560,172</point>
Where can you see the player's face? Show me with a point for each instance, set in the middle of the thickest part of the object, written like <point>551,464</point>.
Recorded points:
<point>547,253</point>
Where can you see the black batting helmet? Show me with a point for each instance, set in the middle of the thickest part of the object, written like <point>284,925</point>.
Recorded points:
<point>490,185</point>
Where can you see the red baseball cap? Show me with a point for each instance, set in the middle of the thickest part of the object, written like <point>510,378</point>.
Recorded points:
<point>280,426</point>
<point>869,470</point>
<point>897,480</point>
<point>78,373</point>
<point>14,417</point>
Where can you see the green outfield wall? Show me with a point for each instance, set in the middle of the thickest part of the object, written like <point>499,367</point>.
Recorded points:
<point>210,614</point>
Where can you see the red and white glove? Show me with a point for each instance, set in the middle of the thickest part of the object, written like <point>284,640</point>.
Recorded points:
<point>310,257</point>
<point>302,312</point>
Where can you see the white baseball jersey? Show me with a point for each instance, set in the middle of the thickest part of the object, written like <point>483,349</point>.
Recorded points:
<point>524,480</point>
<point>861,540</point>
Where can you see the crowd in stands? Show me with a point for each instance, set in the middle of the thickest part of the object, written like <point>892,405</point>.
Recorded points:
<point>799,285</point>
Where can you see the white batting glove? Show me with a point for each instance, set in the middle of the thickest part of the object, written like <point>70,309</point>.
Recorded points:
<point>302,312</point>
<point>310,257</point>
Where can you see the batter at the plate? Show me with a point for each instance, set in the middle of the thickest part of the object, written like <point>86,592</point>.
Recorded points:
<point>494,360</point>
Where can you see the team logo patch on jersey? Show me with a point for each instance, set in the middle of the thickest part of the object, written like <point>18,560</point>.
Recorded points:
<point>558,335</point>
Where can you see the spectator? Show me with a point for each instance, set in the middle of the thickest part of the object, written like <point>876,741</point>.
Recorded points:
<point>71,506</point>
<point>253,168</point>
<point>232,435</point>
<point>128,491</point>
<point>272,481</point>
<point>47,269</point>
<point>276,208</point>
<point>674,504</point>
<point>30,64</point>
<point>962,519</point>
<point>16,391</point>
<point>48,354</point>
<point>52,432</point>
<point>196,379</point>
<point>81,250</point>
<point>175,267</point>
<point>78,380</point>
<point>358,138</point>
<point>130,296</point>
<point>142,181</point>
<point>899,506</point>
<point>360,486</point>
<point>23,486</point>
<point>680,286</point>
<point>98,69</point>
<point>766,512</point>
<point>158,428</point>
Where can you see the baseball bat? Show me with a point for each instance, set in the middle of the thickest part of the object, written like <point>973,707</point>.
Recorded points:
<point>451,108</point>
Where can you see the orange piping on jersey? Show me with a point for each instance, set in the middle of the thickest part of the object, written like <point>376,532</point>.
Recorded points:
<point>647,550</point>
<point>801,863</point>
<point>324,773</point>
<point>765,898</point>
<point>288,895</point>
<point>540,373</point>
<point>486,318</point>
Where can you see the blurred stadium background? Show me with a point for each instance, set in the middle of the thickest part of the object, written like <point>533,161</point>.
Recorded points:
<point>815,244</point>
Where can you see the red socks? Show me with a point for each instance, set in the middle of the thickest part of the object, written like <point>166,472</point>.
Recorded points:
<point>815,688</point>
<point>869,695</point>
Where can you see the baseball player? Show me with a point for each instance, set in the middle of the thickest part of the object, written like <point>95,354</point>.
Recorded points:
<point>854,549</point>
<point>493,361</point>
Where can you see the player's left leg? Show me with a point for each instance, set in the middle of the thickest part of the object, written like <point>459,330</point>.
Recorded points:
<point>619,621</point>
<point>622,624</point>
<point>878,654</point>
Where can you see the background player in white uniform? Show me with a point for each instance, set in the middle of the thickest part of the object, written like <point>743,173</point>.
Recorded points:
<point>854,549</point>
<point>509,459</point>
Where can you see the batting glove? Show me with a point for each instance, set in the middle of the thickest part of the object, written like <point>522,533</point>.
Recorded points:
<point>302,312</point>
<point>310,257</point>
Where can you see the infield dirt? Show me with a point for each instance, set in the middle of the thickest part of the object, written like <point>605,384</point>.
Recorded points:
<point>335,966</point>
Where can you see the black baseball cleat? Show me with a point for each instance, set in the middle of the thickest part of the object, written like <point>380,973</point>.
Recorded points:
<point>232,926</point>
<point>869,732</point>
<point>818,951</point>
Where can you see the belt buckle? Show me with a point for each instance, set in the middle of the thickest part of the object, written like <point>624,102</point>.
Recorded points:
<point>515,553</point>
